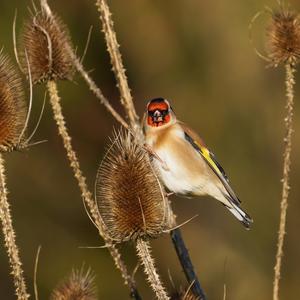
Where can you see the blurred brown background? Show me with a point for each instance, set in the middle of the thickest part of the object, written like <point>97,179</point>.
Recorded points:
<point>196,54</point>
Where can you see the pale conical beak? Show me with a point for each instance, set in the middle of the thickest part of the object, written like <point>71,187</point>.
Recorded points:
<point>157,117</point>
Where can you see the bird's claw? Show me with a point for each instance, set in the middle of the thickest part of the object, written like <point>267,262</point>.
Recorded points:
<point>154,154</point>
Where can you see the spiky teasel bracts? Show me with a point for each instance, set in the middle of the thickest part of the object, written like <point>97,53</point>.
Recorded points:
<point>45,40</point>
<point>80,285</point>
<point>130,197</point>
<point>184,295</point>
<point>12,107</point>
<point>132,202</point>
<point>283,43</point>
<point>12,124</point>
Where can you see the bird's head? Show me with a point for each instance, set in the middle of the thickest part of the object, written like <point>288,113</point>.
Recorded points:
<point>159,113</point>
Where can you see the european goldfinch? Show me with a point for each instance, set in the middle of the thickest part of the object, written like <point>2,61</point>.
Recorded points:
<point>185,165</point>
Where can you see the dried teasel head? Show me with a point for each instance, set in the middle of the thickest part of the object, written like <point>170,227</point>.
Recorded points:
<point>283,43</point>
<point>46,39</point>
<point>130,198</point>
<point>79,286</point>
<point>13,110</point>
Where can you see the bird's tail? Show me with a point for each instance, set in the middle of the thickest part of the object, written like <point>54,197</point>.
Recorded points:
<point>241,215</point>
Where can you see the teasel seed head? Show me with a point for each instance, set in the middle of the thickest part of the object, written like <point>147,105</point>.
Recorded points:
<point>45,40</point>
<point>283,43</point>
<point>130,198</point>
<point>12,106</point>
<point>79,286</point>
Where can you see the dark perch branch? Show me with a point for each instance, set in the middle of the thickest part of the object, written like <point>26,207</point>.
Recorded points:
<point>134,294</point>
<point>186,263</point>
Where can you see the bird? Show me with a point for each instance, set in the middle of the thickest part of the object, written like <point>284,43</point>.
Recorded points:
<point>185,165</point>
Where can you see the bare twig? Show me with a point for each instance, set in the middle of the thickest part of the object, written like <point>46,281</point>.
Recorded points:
<point>96,90</point>
<point>290,82</point>
<point>59,118</point>
<point>117,65</point>
<point>36,293</point>
<point>10,238</point>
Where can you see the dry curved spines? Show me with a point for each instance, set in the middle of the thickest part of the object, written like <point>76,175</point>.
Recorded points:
<point>184,295</point>
<point>79,286</point>
<point>45,40</point>
<point>283,43</point>
<point>13,109</point>
<point>129,195</point>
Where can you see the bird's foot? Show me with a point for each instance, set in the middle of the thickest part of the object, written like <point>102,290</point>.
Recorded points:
<point>169,194</point>
<point>155,155</point>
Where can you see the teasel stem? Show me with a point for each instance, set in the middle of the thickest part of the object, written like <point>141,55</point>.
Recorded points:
<point>86,194</point>
<point>144,253</point>
<point>186,263</point>
<point>117,64</point>
<point>290,82</point>
<point>95,89</point>
<point>85,75</point>
<point>10,238</point>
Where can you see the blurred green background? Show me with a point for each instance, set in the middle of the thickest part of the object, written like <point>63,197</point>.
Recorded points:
<point>196,54</point>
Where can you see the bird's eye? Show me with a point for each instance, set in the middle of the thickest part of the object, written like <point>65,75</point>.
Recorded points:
<point>151,113</point>
<point>164,112</point>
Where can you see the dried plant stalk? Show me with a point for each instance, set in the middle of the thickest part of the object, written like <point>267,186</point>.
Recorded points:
<point>10,238</point>
<point>79,67</point>
<point>290,82</point>
<point>116,61</point>
<point>283,46</point>
<point>96,90</point>
<point>86,194</point>
<point>144,253</point>
<point>60,122</point>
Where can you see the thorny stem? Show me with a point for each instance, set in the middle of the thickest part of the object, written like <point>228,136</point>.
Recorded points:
<point>144,253</point>
<point>290,82</point>
<point>86,194</point>
<point>90,82</point>
<point>117,65</point>
<point>10,238</point>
